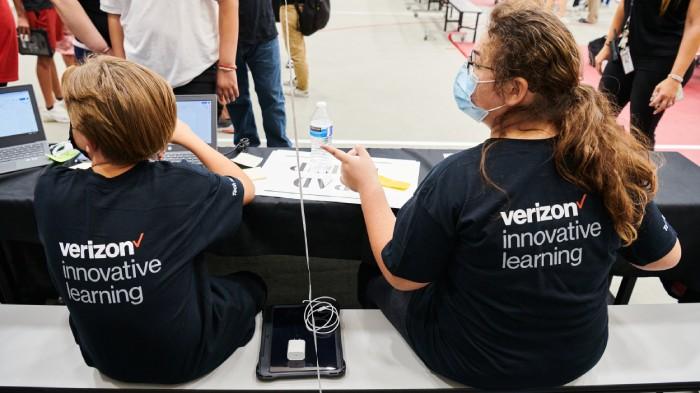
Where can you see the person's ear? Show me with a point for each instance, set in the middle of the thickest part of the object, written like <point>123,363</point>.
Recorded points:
<point>515,91</point>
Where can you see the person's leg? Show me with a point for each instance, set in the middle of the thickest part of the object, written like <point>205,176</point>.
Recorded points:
<point>55,82</point>
<point>264,63</point>
<point>616,85</point>
<point>593,6</point>
<point>393,303</point>
<point>241,110</point>
<point>641,114</point>
<point>297,47</point>
<point>40,20</point>
<point>69,60</point>
<point>253,284</point>
<point>561,12</point>
<point>44,76</point>
<point>549,5</point>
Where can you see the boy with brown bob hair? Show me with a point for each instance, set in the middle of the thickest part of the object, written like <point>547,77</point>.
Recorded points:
<point>125,239</point>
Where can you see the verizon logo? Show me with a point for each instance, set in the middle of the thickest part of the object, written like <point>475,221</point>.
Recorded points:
<point>542,213</point>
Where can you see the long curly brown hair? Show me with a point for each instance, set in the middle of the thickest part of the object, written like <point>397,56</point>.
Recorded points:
<point>590,149</point>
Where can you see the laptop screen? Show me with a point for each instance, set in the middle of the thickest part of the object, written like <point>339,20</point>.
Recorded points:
<point>17,114</point>
<point>197,114</point>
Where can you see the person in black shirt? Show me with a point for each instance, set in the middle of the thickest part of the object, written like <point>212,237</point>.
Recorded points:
<point>496,270</point>
<point>662,38</point>
<point>124,240</point>
<point>258,50</point>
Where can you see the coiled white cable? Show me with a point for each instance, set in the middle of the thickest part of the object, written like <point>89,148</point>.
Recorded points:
<point>320,307</point>
<point>320,315</point>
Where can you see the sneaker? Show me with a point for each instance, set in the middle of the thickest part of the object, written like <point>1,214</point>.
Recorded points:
<point>290,64</point>
<point>584,20</point>
<point>297,92</point>
<point>56,114</point>
<point>290,82</point>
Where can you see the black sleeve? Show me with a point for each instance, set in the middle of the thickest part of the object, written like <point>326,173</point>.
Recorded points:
<point>655,238</point>
<point>219,212</point>
<point>422,242</point>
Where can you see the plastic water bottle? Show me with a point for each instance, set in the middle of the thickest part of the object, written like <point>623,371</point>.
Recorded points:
<point>320,133</point>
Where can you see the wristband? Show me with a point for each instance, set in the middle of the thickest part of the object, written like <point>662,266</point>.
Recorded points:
<point>227,67</point>
<point>676,78</point>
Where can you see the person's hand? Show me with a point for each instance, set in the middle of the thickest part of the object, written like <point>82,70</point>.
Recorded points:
<point>357,171</point>
<point>603,55</point>
<point>226,86</point>
<point>182,134</point>
<point>23,26</point>
<point>664,95</point>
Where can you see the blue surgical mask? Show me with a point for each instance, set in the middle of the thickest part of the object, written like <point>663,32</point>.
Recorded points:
<point>464,86</point>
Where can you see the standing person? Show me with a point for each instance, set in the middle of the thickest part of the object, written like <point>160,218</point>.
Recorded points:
<point>561,11</point>
<point>153,314</point>
<point>496,270</point>
<point>40,14</point>
<point>190,43</point>
<point>289,24</point>
<point>592,17</point>
<point>662,38</point>
<point>9,58</point>
<point>258,50</point>
<point>89,24</point>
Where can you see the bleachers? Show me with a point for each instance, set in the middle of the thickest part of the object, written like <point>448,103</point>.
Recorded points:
<point>651,348</point>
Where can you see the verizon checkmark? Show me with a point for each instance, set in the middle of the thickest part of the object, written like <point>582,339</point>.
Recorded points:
<point>137,243</point>
<point>578,203</point>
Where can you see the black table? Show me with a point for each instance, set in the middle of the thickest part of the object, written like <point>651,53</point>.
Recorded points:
<point>272,226</point>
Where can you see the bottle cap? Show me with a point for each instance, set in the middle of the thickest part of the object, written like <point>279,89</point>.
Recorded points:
<point>321,104</point>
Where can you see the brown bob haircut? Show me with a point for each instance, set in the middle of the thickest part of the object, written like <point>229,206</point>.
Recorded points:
<point>125,110</point>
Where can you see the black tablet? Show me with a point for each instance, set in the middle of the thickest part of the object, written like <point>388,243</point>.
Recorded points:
<point>37,44</point>
<point>283,323</point>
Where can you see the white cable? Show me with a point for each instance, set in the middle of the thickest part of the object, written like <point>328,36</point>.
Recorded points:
<point>321,310</point>
<point>325,311</point>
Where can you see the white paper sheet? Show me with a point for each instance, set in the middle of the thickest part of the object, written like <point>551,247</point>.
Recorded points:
<point>282,180</point>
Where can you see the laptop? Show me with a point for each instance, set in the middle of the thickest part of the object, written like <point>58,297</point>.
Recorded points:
<point>199,112</point>
<point>22,139</point>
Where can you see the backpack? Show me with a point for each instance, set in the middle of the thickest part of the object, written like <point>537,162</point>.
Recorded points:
<point>314,16</point>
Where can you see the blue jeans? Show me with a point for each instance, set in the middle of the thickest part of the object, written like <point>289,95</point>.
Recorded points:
<point>81,54</point>
<point>264,62</point>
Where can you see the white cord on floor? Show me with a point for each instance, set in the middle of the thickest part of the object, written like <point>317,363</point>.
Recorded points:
<point>326,312</point>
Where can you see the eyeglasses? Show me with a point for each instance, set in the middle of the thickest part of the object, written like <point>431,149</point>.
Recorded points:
<point>471,64</point>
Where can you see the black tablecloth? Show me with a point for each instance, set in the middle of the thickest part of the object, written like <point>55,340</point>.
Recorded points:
<point>272,226</point>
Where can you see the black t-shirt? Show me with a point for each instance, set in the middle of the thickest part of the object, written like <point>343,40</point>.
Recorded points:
<point>36,5</point>
<point>519,279</point>
<point>126,255</point>
<point>654,38</point>
<point>97,17</point>
<point>256,22</point>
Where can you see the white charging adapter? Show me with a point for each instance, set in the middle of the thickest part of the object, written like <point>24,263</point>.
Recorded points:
<point>296,350</point>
